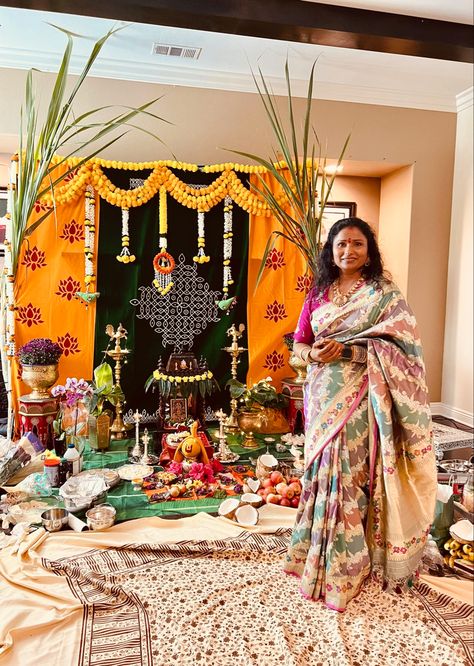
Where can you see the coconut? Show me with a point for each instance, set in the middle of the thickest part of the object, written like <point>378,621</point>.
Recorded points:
<point>265,465</point>
<point>267,460</point>
<point>251,485</point>
<point>462,531</point>
<point>228,508</point>
<point>252,499</point>
<point>246,515</point>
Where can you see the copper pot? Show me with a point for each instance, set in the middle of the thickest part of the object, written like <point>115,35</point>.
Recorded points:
<point>265,421</point>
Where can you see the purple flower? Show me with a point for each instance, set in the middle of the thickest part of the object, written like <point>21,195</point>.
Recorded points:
<point>39,351</point>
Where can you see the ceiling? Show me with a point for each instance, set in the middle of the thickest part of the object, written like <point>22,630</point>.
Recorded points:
<point>226,61</point>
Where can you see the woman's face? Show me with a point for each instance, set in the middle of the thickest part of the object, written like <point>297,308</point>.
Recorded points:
<point>350,250</point>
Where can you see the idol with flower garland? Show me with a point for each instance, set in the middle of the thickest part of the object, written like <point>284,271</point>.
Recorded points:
<point>182,389</point>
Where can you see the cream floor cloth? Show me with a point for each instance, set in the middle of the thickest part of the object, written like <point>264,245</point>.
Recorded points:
<point>41,620</point>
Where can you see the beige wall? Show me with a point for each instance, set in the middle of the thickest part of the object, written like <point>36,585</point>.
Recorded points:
<point>395,224</point>
<point>208,121</point>
<point>4,164</point>
<point>457,389</point>
<point>364,191</point>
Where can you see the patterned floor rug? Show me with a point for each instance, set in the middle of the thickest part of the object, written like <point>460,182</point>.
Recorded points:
<point>227,603</point>
<point>447,438</point>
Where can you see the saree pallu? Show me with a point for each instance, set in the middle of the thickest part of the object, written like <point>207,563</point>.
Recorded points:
<point>369,485</point>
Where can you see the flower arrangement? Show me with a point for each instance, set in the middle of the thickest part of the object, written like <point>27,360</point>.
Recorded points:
<point>260,395</point>
<point>39,351</point>
<point>73,414</point>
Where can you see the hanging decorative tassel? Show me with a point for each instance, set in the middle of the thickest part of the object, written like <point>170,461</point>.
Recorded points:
<point>163,263</point>
<point>89,239</point>
<point>227,271</point>
<point>125,257</point>
<point>89,294</point>
<point>201,256</point>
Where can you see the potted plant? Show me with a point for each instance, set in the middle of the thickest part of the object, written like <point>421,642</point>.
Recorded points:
<point>39,365</point>
<point>261,408</point>
<point>45,130</point>
<point>100,419</point>
<point>299,170</point>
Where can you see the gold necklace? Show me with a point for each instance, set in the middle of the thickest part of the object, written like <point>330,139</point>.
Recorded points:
<point>340,299</point>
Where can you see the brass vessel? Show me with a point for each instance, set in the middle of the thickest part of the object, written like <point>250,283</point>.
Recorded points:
<point>299,366</point>
<point>99,432</point>
<point>39,378</point>
<point>265,421</point>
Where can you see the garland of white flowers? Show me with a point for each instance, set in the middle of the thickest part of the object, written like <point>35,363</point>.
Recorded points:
<point>201,257</point>
<point>163,262</point>
<point>125,257</point>
<point>8,300</point>
<point>89,237</point>
<point>227,256</point>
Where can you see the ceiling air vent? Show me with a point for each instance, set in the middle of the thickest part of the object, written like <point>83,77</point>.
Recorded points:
<point>174,51</point>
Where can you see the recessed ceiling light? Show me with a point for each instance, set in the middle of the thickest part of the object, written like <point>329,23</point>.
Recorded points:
<point>333,168</point>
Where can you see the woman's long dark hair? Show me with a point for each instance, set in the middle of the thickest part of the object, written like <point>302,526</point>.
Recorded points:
<point>328,271</point>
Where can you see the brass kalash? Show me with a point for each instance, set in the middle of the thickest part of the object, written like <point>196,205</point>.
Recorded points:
<point>118,429</point>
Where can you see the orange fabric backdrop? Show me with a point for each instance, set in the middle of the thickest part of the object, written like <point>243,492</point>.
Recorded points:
<point>273,309</point>
<point>50,271</point>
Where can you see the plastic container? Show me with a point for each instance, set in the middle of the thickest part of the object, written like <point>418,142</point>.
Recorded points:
<point>65,470</point>
<point>73,456</point>
<point>51,469</point>
<point>468,494</point>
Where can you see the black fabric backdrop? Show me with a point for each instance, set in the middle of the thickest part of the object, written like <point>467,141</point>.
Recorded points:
<point>118,284</point>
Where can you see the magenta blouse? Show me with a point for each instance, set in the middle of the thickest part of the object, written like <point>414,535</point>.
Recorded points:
<point>304,330</point>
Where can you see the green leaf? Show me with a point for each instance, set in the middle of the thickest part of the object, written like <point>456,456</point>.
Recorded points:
<point>299,216</point>
<point>103,376</point>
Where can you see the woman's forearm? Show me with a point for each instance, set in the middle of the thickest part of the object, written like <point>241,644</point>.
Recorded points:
<point>302,351</point>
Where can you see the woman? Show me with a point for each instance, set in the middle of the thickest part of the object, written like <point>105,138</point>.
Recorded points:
<point>369,485</point>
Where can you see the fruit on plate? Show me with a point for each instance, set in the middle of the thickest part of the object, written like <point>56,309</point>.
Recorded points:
<point>285,494</point>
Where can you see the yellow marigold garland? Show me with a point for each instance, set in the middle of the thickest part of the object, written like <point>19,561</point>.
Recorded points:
<point>182,378</point>
<point>202,199</point>
<point>163,262</point>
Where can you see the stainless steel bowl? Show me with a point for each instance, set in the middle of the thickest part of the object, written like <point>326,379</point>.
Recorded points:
<point>54,519</point>
<point>100,517</point>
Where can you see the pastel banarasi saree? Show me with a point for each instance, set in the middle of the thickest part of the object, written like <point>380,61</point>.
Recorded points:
<point>369,485</point>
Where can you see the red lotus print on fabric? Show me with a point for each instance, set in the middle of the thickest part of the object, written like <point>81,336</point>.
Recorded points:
<point>29,315</point>
<point>73,232</point>
<point>69,344</point>
<point>34,258</point>
<point>72,174</point>
<point>274,361</point>
<point>303,283</point>
<point>276,311</point>
<point>41,207</point>
<point>68,287</point>
<point>275,259</point>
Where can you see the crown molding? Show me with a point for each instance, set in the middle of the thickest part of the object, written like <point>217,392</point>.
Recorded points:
<point>465,99</point>
<point>195,77</point>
